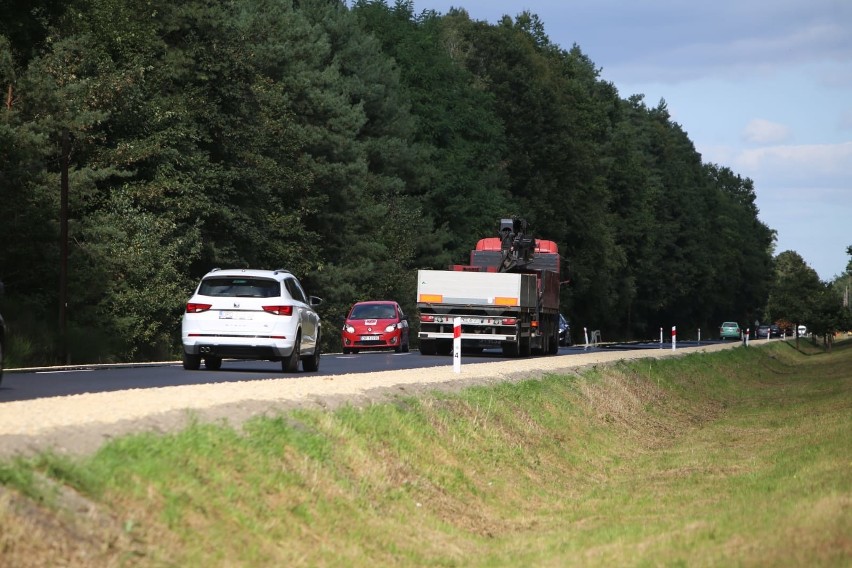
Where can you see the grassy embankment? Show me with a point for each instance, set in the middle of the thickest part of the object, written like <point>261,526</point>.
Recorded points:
<point>742,457</point>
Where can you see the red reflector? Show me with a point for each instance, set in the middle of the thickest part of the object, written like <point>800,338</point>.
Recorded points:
<point>196,308</point>
<point>510,321</point>
<point>279,310</point>
<point>427,318</point>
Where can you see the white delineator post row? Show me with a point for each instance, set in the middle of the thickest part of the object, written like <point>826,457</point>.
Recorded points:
<point>674,337</point>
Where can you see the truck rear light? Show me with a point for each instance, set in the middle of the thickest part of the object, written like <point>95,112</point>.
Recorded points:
<point>192,308</point>
<point>510,321</point>
<point>279,310</point>
<point>427,318</point>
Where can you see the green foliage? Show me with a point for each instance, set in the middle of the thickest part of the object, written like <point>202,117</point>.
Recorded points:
<point>351,145</point>
<point>743,447</point>
<point>794,289</point>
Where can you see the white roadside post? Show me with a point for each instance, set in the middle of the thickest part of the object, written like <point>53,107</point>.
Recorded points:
<point>661,338</point>
<point>699,335</point>
<point>674,337</point>
<point>747,333</point>
<point>586,335</point>
<point>457,345</point>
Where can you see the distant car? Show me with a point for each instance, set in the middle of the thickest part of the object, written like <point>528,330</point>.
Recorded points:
<point>379,324</point>
<point>803,330</point>
<point>768,331</point>
<point>730,330</point>
<point>564,331</point>
<point>251,314</point>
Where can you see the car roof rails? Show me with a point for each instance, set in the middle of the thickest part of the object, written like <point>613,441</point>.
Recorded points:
<point>215,269</point>
<point>281,270</point>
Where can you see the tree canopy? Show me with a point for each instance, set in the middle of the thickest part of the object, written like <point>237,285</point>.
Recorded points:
<point>351,145</point>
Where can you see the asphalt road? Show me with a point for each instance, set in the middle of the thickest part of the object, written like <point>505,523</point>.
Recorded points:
<point>51,382</point>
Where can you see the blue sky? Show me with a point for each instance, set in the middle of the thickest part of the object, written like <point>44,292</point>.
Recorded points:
<point>764,88</point>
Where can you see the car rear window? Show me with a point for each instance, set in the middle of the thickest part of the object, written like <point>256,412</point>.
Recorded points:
<point>373,311</point>
<point>729,324</point>
<point>239,287</point>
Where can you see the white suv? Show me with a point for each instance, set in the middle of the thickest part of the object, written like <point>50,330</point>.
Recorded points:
<point>251,314</point>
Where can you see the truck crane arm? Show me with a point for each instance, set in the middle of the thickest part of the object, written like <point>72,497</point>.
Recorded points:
<point>516,247</point>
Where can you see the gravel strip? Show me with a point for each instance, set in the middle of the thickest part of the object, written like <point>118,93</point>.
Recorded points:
<point>80,424</point>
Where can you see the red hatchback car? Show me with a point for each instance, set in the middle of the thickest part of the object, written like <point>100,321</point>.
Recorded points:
<point>375,325</point>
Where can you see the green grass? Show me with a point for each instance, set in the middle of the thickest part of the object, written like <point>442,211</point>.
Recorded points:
<point>738,458</point>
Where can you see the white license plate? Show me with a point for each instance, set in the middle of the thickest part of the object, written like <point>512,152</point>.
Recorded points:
<point>227,315</point>
<point>369,338</point>
<point>471,320</point>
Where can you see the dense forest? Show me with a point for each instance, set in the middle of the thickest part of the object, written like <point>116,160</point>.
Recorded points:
<point>351,144</point>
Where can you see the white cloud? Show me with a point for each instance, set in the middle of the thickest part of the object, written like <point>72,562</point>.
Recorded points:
<point>812,166</point>
<point>760,131</point>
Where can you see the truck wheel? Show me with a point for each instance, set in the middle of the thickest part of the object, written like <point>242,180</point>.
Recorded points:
<point>428,347</point>
<point>510,349</point>
<point>553,345</point>
<point>445,347</point>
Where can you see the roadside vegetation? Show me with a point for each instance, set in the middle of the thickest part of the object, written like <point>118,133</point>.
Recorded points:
<point>349,142</point>
<point>740,457</point>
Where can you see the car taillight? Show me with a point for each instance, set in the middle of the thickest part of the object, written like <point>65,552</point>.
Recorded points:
<point>279,310</point>
<point>192,308</point>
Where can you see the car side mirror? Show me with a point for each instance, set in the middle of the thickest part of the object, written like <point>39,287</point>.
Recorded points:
<point>314,301</point>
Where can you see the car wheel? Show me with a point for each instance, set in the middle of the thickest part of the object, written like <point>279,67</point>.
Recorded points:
<point>291,364</point>
<point>406,348</point>
<point>311,363</point>
<point>346,351</point>
<point>191,362</point>
<point>212,363</point>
